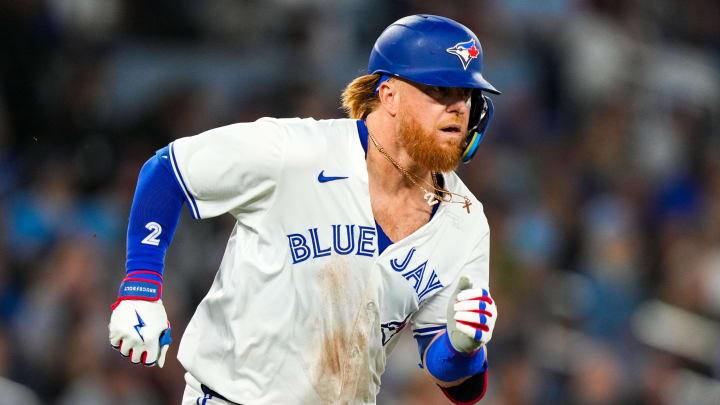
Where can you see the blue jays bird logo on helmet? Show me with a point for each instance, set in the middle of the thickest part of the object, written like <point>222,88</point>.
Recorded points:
<point>466,51</point>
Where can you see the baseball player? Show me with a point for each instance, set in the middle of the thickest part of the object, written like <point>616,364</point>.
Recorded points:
<point>348,231</point>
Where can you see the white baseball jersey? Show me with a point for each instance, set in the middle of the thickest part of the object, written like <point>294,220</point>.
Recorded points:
<point>303,308</point>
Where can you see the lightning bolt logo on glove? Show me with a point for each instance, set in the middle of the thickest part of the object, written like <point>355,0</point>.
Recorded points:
<point>139,325</point>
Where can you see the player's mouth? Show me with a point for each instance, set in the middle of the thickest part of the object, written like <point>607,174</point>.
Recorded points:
<point>451,129</point>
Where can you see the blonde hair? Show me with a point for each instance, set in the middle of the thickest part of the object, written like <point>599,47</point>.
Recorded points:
<point>359,98</point>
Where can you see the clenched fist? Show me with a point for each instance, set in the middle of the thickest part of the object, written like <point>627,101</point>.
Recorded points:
<point>140,330</point>
<point>471,317</point>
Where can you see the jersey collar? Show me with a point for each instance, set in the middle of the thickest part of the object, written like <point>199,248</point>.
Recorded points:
<point>363,133</point>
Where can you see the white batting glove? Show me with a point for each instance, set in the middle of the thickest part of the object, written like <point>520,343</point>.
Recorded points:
<point>140,330</point>
<point>471,317</point>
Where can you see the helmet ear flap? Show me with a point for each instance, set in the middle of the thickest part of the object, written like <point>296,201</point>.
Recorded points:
<point>481,112</point>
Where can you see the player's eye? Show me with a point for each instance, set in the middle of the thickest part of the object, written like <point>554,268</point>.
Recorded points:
<point>439,93</point>
<point>436,91</point>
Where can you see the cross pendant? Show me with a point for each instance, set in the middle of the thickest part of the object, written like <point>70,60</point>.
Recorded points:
<point>467,205</point>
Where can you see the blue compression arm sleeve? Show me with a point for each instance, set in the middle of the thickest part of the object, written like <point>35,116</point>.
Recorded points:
<point>154,214</point>
<point>446,364</point>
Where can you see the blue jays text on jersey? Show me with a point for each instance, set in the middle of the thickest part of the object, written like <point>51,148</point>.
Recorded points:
<point>362,245</point>
<point>344,243</point>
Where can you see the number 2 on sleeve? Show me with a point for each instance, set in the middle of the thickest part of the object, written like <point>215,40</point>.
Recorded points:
<point>152,238</point>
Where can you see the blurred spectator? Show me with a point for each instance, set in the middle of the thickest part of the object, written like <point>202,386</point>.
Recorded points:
<point>11,391</point>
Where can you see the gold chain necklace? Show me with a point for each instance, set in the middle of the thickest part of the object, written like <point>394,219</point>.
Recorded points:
<point>432,198</point>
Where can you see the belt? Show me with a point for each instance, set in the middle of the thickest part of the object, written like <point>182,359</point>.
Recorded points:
<point>209,391</point>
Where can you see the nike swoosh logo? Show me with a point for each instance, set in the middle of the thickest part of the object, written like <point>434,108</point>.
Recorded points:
<point>324,179</point>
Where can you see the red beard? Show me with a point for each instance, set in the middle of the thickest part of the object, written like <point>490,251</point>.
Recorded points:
<point>424,147</point>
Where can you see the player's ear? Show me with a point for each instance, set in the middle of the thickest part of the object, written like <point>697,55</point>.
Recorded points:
<point>388,95</point>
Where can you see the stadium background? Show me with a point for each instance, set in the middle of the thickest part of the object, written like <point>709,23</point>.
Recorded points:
<point>600,177</point>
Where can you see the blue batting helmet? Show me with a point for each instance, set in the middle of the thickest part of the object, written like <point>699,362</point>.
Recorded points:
<point>437,51</point>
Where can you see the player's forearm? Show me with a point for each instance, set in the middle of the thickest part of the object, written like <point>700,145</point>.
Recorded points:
<point>462,377</point>
<point>448,367</point>
<point>154,215</point>
<point>439,382</point>
<point>153,218</point>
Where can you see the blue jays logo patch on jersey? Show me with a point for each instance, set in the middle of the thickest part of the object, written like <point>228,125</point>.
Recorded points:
<point>466,51</point>
<point>392,328</point>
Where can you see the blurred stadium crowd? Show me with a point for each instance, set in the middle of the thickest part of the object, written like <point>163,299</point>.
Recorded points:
<point>600,177</point>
